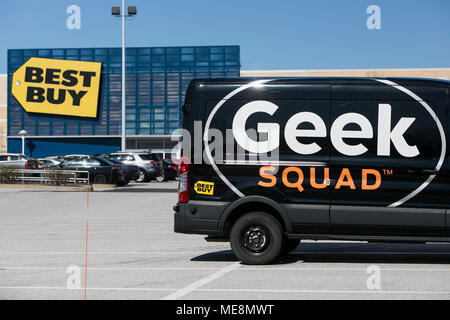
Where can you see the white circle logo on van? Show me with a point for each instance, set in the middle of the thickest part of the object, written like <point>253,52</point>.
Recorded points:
<point>385,135</point>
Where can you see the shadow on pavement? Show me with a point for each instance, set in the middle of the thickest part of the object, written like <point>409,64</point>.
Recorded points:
<point>326,252</point>
<point>225,255</point>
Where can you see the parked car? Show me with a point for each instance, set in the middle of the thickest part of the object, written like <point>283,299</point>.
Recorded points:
<point>59,158</point>
<point>73,155</point>
<point>130,172</point>
<point>19,161</point>
<point>100,170</point>
<point>177,164</point>
<point>170,171</point>
<point>43,163</point>
<point>49,161</point>
<point>149,164</point>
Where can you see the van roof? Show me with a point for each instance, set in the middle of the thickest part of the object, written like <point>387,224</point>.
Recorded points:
<point>429,81</point>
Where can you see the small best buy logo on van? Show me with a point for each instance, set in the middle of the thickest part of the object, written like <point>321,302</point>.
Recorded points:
<point>204,187</point>
<point>60,87</point>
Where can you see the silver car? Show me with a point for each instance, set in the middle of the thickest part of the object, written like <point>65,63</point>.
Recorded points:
<point>50,161</point>
<point>149,164</point>
<point>19,161</point>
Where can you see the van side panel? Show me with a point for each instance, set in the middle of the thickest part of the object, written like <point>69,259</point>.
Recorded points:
<point>290,99</point>
<point>375,191</point>
<point>392,171</point>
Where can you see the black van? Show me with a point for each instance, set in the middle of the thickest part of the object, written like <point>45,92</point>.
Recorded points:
<point>268,162</point>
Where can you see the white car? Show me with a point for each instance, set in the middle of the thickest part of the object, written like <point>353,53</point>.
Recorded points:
<point>19,161</point>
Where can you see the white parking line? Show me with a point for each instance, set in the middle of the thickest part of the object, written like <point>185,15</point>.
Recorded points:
<point>236,290</point>
<point>197,284</point>
<point>100,241</point>
<point>341,269</point>
<point>90,289</point>
<point>325,291</point>
<point>56,221</point>
<point>228,251</point>
<point>100,252</point>
<point>97,224</point>
<point>61,232</point>
<point>242,268</point>
<point>113,268</point>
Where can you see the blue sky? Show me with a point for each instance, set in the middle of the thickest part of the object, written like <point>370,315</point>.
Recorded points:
<point>283,34</point>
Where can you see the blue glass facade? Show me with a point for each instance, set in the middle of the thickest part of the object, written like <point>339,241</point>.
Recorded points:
<point>156,81</point>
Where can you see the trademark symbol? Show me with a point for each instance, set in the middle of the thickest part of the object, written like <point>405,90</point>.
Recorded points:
<point>388,172</point>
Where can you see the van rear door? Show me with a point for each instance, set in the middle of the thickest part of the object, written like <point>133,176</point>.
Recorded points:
<point>385,148</point>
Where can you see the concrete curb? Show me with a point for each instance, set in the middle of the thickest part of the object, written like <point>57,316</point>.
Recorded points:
<point>45,187</point>
<point>103,187</point>
<point>79,188</point>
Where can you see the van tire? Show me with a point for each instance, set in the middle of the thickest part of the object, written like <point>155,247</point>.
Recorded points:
<point>267,234</point>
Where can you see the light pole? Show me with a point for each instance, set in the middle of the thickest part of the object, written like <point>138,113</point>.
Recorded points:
<point>23,133</point>
<point>116,12</point>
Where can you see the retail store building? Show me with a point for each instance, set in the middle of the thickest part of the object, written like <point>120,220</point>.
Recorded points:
<point>156,81</point>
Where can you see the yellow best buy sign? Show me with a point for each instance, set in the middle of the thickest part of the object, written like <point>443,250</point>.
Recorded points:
<point>204,187</point>
<point>61,87</point>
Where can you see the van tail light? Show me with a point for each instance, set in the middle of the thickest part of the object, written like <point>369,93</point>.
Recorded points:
<point>183,185</point>
<point>27,165</point>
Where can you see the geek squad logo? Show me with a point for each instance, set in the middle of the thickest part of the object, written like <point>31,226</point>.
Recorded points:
<point>387,135</point>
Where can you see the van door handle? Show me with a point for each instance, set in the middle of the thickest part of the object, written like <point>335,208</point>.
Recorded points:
<point>430,171</point>
<point>427,171</point>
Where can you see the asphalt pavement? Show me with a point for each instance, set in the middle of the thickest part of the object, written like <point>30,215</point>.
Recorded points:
<point>120,244</point>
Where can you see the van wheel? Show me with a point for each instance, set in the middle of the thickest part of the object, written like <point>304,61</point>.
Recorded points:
<point>290,245</point>
<point>257,238</point>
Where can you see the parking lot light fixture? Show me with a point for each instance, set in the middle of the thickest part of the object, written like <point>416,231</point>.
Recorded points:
<point>23,133</point>
<point>116,11</point>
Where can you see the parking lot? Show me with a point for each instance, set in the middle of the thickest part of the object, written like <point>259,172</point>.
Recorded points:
<point>133,253</point>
